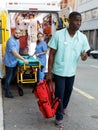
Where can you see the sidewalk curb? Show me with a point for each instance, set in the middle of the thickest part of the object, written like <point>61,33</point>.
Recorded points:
<point>1,109</point>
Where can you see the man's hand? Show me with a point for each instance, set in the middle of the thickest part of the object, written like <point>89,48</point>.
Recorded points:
<point>84,56</point>
<point>25,61</point>
<point>49,76</point>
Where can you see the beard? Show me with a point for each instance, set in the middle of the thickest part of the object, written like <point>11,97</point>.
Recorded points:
<point>16,37</point>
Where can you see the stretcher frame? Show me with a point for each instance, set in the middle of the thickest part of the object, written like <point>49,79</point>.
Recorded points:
<point>30,69</point>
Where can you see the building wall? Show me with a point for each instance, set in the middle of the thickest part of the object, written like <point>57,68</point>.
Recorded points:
<point>89,12</point>
<point>84,5</point>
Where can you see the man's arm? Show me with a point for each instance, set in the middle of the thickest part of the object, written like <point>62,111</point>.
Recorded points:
<point>19,56</point>
<point>50,63</point>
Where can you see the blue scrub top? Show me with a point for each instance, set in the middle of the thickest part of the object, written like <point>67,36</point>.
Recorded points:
<point>41,47</point>
<point>12,45</point>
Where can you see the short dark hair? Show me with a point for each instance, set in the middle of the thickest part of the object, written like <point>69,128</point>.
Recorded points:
<point>71,15</point>
<point>40,33</point>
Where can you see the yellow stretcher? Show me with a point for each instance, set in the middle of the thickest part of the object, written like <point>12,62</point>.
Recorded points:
<point>27,73</point>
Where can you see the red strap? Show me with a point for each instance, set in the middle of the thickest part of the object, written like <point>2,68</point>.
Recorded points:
<point>51,87</point>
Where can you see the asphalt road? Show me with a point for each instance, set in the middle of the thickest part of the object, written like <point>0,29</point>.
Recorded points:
<point>22,113</point>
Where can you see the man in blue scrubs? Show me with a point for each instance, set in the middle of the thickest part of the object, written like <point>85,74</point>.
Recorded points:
<point>10,60</point>
<point>66,47</point>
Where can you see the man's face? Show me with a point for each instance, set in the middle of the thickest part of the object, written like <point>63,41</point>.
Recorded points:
<point>75,22</point>
<point>17,34</point>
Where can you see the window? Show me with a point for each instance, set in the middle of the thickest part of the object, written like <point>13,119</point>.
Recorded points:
<point>94,13</point>
<point>83,17</point>
<point>82,1</point>
<point>88,15</point>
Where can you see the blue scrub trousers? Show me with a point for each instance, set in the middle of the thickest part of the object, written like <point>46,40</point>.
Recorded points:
<point>41,74</point>
<point>63,90</point>
<point>10,75</point>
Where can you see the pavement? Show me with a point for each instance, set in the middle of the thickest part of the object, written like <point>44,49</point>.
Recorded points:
<point>22,112</point>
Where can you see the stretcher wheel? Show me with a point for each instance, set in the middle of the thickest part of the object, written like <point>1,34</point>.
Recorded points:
<point>34,86</point>
<point>20,91</point>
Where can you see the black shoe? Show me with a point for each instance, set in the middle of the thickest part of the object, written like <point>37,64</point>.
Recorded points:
<point>9,95</point>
